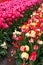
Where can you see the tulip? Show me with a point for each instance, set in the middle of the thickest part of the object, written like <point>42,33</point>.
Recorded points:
<point>36,47</point>
<point>31,40</point>
<point>9,59</point>
<point>20,38</point>
<point>4,45</point>
<point>22,64</point>
<point>40,42</point>
<point>27,48</point>
<point>33,56</point>
<point>22,48</point>
<point>25,55</point>
<point>4,26</point>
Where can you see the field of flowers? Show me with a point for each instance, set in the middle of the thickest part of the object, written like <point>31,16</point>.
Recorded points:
<point>21,28</point>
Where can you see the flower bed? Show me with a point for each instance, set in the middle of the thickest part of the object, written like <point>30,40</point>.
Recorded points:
<point>29,41</point>
<point>25,36</point>
<point>11,10</point>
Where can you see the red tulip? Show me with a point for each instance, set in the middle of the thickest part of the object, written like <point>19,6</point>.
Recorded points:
<point>9,59</point>
<point>25,23</point>
<point>23,64</point>
<point>28,64</point>
<point>20,38</point>
<point>33,56</point>
<point>15,45</point>
<point>9,23</point>
<point>4,0</point>
<point>42,29</point>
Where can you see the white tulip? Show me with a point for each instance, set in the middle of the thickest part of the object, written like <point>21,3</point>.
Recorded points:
<point>25,55</point>
<point>27,34</point>
<point>27,48</point>
<point>4,45</point>
<point>17,32</point>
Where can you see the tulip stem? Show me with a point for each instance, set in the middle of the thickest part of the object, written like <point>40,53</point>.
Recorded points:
<point>31,62</point>
<point>24,61</point>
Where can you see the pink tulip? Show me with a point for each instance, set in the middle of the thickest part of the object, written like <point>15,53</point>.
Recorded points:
<point>31,40</point>
<point>36,47</point>
<point>5,26</point>
<point>11,10</point>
